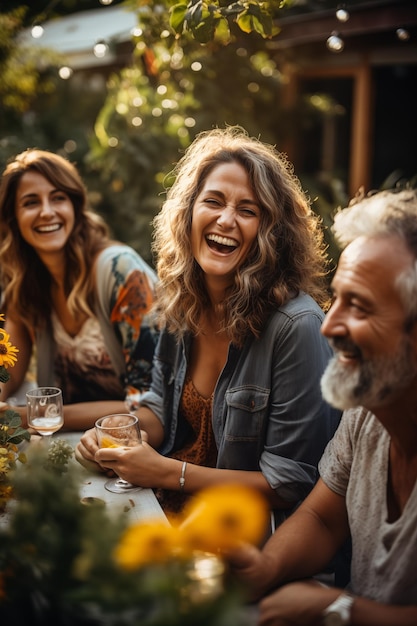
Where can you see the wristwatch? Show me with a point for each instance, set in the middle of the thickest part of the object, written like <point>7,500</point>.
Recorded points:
<point>338,612</point>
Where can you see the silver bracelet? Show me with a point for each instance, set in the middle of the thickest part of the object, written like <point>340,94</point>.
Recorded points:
<point>182,477</point>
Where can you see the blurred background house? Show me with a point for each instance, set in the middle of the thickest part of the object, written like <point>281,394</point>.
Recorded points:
<point>360,60</point>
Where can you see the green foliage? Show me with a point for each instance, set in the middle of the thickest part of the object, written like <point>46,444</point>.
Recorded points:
<point>130,161</point>
<point>205,20</point>
<point>11,430</point>
<point>28,80</point>
<point>43,535</point>
<point>21,76</point>
<point>57,565</point>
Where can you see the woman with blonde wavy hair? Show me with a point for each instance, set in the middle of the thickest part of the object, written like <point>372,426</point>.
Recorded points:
<point>235,392</point>
<point>69,290</point>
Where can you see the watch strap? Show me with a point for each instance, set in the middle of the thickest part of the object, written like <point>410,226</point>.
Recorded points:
<point>342,608</point>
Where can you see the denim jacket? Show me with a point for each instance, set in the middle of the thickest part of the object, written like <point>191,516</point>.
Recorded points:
<point>268,412</point>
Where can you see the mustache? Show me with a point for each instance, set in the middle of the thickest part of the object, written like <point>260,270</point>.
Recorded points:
<point>341,344</point>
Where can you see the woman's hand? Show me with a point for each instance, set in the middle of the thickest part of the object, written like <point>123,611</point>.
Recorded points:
<point>140,465</point>
<point>85,452</point>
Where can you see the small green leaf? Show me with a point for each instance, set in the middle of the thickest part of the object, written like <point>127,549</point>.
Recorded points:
<point>244,21</point>
<point>11,418</point>
<point>222,32</point>
<point>19,435</point>
<point>204,31</point>
<point>4,374</point>
<point>263,26</point>
<point>177,17</point>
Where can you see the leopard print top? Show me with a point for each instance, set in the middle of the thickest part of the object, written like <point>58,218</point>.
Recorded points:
<point>201,447</point>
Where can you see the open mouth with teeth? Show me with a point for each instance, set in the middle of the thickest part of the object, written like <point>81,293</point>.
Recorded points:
<point>50,228</point>
<point>221,244</point>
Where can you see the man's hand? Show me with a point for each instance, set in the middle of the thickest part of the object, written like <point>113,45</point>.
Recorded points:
<point>250,566</point>
<point>297,604</point>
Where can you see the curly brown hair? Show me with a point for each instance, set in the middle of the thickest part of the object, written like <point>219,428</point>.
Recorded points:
<point>288,255</point>
<point>25,281</point>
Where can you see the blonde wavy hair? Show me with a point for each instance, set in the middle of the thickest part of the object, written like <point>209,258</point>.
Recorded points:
<point>287,257</point>
<point>25,281</point>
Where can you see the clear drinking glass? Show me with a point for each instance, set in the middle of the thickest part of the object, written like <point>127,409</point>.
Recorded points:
<point>113,431</point>
<point>45,412</point>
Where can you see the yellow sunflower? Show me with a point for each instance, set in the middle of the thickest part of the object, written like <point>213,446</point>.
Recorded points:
<point>145,543</point>
<point>7,350</point>
<point>223,516</point>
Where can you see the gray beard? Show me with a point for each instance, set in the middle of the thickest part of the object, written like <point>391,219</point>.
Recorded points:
<point>370,384</point>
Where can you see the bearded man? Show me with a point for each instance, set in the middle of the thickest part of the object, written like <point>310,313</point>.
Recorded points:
<point>368,473</point>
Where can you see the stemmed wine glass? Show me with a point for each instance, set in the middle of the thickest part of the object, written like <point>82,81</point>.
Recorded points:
<point>113,431</point>
<point>45,410</point>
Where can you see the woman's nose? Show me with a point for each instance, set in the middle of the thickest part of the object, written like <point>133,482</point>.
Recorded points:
<point>46,208</point>
<point>227,217</point>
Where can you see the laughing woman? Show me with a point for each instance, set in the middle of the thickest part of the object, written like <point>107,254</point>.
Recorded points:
<point>235,392</point>
<point>81,299</point>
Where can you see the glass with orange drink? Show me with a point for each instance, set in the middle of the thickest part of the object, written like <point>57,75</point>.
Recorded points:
<point>114,431</point>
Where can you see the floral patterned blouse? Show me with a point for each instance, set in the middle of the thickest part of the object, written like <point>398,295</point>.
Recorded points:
<point>111,357</point>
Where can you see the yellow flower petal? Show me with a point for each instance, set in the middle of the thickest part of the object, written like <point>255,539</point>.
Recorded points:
<point>221,517</point>
<point>145,543</point>
<point>7,350</point>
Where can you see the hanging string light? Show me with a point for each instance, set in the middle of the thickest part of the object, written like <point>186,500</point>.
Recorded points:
<point>37,31</point>
<point>65,72</point>
<point>341,14</point>
<point>100,49</point>
<point>402,34</point>
<point>335,43</point>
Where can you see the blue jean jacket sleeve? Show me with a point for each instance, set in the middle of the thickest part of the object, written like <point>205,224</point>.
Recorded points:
<point>163,398</point>
<point>300,422</point>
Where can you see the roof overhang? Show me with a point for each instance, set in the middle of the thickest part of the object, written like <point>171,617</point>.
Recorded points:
<point>75,35</point>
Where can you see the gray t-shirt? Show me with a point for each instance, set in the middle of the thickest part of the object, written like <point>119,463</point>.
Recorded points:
<point>355,465</point>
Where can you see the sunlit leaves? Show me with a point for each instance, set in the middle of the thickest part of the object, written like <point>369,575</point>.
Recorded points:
<point>255,17</point>
<point>23,72</point>
<point>207,21</point>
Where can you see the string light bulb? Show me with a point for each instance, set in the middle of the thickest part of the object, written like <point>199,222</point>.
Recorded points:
<point>342,15</point>
<point>100,49</point>
<point>65,72</point>
<point>335,43</point>
<point>37,31</point>
<point>402,34</point>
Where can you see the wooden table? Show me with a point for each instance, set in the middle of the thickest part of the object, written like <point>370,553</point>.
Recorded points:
<point>139,504</point>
